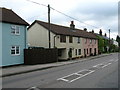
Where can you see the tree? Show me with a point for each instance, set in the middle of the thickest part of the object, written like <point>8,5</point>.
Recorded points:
<point>118,40</point>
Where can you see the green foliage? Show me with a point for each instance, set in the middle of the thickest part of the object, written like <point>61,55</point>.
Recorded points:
<point>118,40</point>
<point>100,44</point>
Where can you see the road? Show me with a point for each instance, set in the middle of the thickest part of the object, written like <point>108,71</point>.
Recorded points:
<point>97,73</point>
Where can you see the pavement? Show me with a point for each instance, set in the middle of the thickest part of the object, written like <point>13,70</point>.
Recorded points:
<point>21,69</point>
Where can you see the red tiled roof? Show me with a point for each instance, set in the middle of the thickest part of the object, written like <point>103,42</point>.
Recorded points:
<point>9,16</point>
<point>62,30</point>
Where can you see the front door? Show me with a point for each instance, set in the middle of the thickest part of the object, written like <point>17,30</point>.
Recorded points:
<point>94,51</point>
<point>85,52</point>
<point>70,53</point>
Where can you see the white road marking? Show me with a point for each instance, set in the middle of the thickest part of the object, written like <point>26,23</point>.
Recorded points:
<point>98,65</point>
<point>106,65</point>
<point>66,76</point>
<point>112,60</point>
<point>101,65</point>
<point>63,79</point>
<point>115,60</point>
<point>33,88</point>
<point>77,74</point>
<point>81,76</point>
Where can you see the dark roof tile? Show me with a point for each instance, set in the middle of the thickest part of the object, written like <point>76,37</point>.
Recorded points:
<point>62,30</point>
<point>9,16</point>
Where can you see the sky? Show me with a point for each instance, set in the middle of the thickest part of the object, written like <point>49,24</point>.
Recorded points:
<point>97,14</point>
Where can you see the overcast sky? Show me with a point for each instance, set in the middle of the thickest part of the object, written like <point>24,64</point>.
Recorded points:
<point>100,13</point>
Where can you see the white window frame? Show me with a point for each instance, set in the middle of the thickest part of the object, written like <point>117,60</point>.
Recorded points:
<point>85,40</point>
<point>79,51</point>
<point>15,29</point>
<point>95,41</point>
<point>90,41</point>
<point>13,47</point>
<point>78,40</point>
<point>76,52</point>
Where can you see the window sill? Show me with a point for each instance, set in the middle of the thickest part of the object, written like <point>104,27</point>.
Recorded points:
<point>15,55</point>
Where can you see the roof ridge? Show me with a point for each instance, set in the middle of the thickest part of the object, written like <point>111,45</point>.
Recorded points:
<point>64,30</point>
<point>58,25</point>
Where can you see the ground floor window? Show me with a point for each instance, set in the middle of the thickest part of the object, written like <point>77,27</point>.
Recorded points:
<point>87,50</point>
<point>76,52</point>
<point>79,51</point>
<point>91,52</point>
<point>15,50</point>
<point>94,51</point>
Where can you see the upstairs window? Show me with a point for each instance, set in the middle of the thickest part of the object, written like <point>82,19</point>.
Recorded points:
<point>85,40</point>
<point>95,41</point>
<point>90,41</point>
<point>78,39</point>
<point>15,30</point>
<point>70,39</point>
<point>62,38</point>
<point>15,50</point>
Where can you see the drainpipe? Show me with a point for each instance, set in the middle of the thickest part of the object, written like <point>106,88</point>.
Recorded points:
<point>54,44</point>
<point>54,40</point>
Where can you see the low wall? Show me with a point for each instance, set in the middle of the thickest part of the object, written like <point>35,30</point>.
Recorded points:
<point>40,56</point>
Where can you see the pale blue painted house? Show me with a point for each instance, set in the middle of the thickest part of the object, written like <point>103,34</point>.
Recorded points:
<point>12,38</point>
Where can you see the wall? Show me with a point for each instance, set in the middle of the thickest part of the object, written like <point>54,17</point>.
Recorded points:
<point>75,45</point>
<point>89,45</point>
<point>0,44</point>
<point>40,56</point>
<point>38,36</point>
<point>8,41</point>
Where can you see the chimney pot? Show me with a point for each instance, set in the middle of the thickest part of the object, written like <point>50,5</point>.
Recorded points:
<point>72,26</point>
<point>100,32</point>
<point>85,29</point>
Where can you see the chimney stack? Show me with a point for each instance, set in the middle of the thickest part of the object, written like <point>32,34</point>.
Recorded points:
<point>100,32</point>
<point>105,35</point>
<point>85,29</point>
<point>92,31</point>
<point>72,26</point>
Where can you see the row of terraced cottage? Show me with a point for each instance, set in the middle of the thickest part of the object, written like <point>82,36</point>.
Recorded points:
<point>15,37</point>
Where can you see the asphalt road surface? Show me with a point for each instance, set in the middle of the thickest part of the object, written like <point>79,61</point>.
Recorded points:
<point>97,73</point>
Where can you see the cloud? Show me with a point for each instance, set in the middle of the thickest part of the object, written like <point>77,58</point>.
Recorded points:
<point>100,13</point>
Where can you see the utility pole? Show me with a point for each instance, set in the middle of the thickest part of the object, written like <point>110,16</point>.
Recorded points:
<point>49,25</point>
<point>109,40</point>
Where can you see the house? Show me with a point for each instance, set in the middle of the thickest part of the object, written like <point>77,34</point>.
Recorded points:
<point>105,44</point>
<point>13,38</point>
<point>115,43</point>
<point>68,40</point>
<point>90,45</point>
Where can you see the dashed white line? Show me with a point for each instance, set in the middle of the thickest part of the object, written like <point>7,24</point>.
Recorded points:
<point>63,79</point>
<point>106,65</point>
<point>77,73</point>
<point>66,76</point>
<point>81,76</point>
<point>84,72</point>
<point>115,60</point>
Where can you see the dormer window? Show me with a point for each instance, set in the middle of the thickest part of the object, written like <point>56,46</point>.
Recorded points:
<point>15,30</point>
